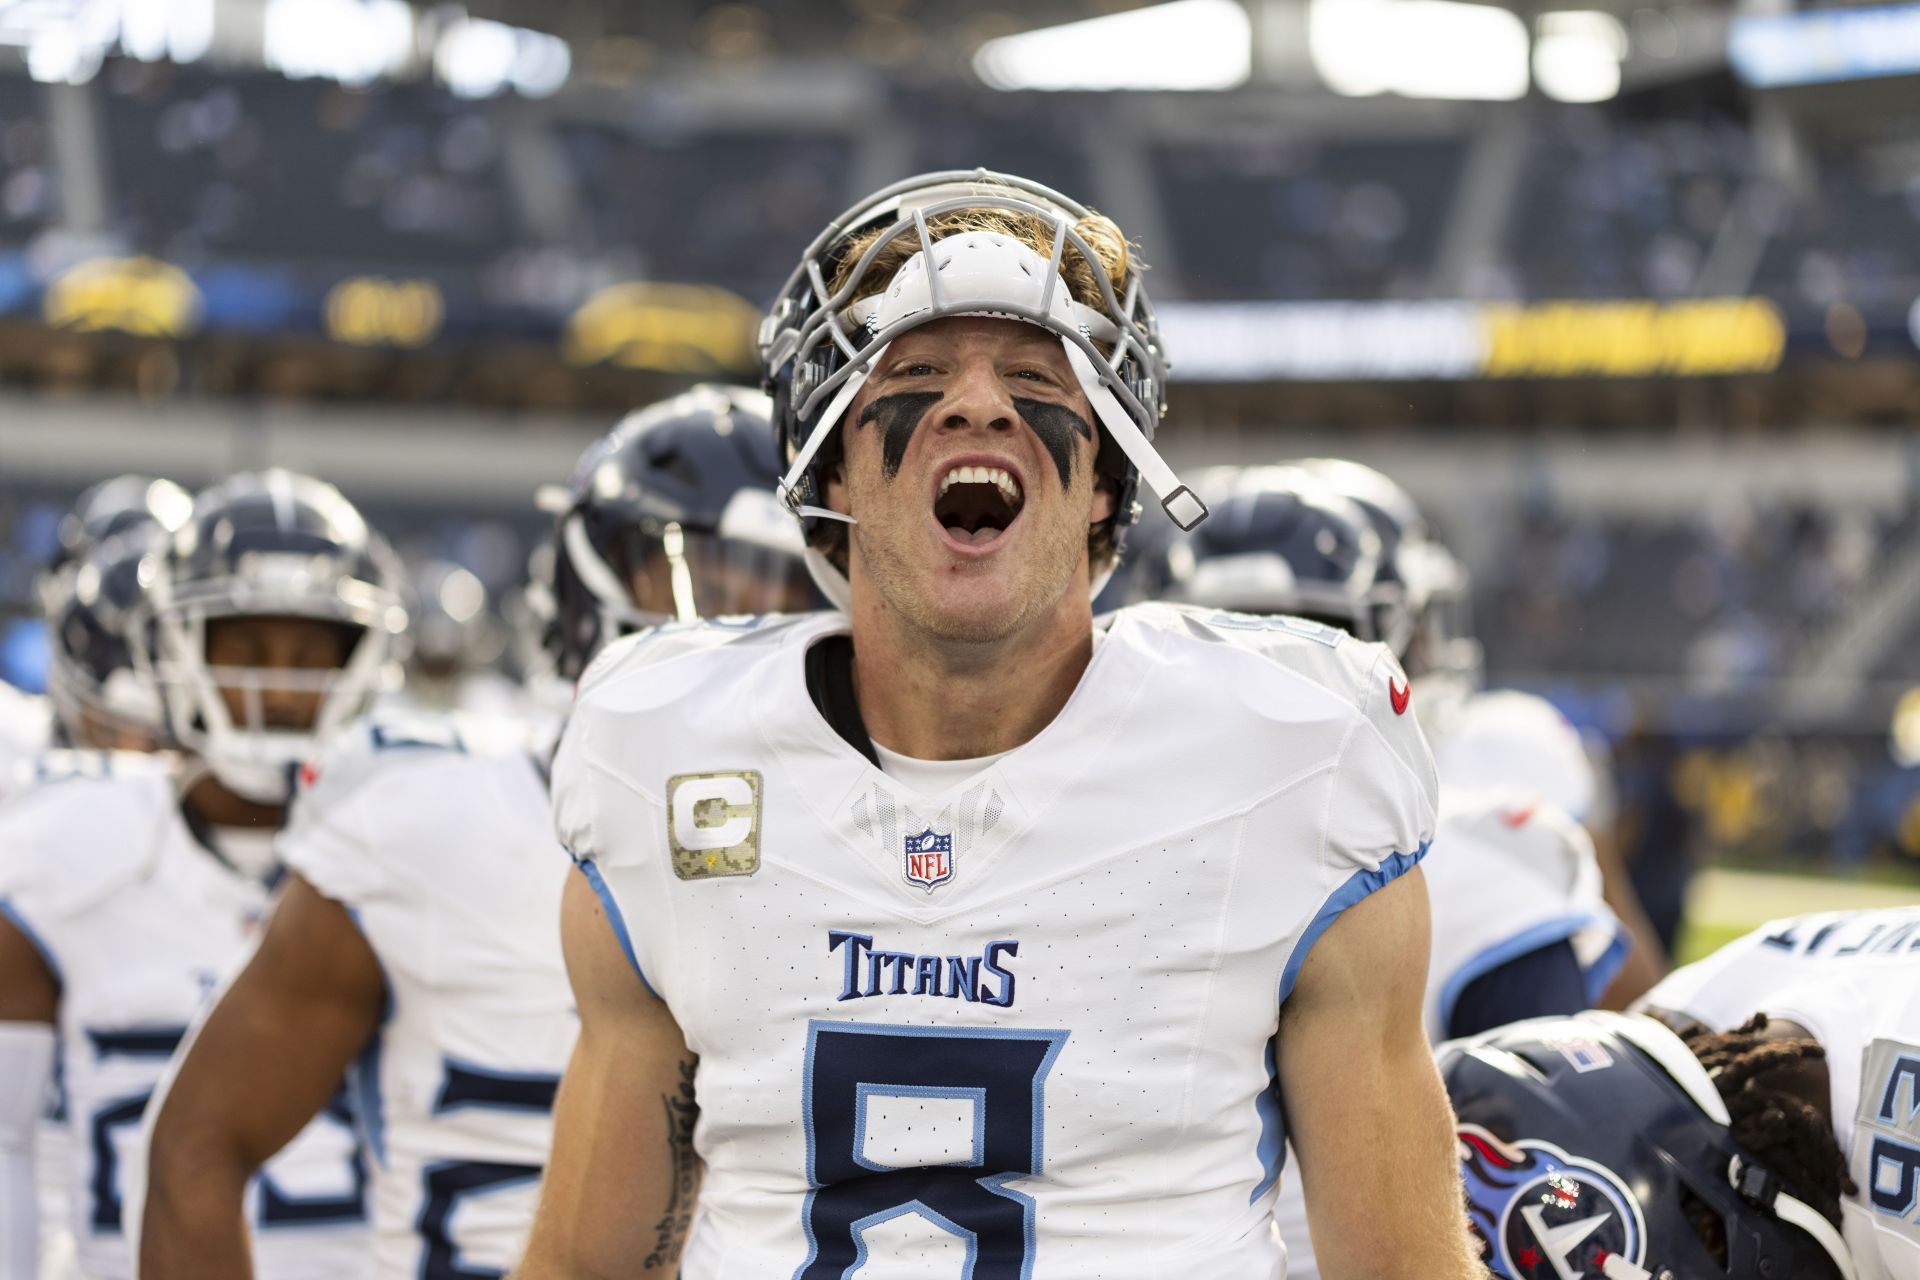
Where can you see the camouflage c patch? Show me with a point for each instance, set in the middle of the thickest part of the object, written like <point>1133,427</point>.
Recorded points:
<point>713,824</point>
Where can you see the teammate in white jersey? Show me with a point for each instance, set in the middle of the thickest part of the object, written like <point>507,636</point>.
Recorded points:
<point>102,701</point>
<point>419,934</point>
<point>949,936</point>
<point>131,887</point>
<point>1484,738</point>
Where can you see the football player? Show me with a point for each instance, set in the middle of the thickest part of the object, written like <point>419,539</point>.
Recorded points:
<point>1768,1124</point>
<point>418,935</point>
<point>128,890</point>
<point>1519,926</point>
<point>949,935</point>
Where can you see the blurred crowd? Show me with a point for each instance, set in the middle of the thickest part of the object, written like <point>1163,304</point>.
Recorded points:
<point>542,207</point>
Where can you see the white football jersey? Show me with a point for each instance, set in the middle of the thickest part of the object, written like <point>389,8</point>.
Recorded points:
<point>26,728</point>
<point>1022,1029</point>
<point>1513,875</point>
<point>435,832</point>
<point>140,923</point>
<point>1853,980</point>
<point>1502,739</point>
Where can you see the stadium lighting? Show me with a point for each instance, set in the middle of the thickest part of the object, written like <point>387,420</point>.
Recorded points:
<point>352,41</point>
<point>1186,45</point>
<point>478,59</point>
<point>1577,55</point>
<point>1418,49</point>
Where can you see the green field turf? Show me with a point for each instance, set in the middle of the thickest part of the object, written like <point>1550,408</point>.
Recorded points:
<point>1723,904</point>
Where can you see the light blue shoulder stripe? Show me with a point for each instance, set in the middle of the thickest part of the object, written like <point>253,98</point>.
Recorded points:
<point>618,921</point>
<point>11,914</point>
<point>1359,886</point>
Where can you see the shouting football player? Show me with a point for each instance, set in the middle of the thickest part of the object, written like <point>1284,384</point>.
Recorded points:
<point>948,935</point>
<point>417,940</point>
<point>130,887</point>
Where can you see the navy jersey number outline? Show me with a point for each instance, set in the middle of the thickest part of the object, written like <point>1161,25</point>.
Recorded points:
<point>1003,1072</point>
<point>277,1208</point>
<point>446,1183</point>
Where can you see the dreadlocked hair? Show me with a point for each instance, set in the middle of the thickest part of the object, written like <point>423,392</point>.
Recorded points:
<point>1772,1121</point>
<point>1113,259</point>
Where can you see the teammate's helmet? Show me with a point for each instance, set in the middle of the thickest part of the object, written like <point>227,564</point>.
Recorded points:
<point>1422,593</point>
<point>269,544</point>
<point>672,517</point>
<point>818,344</point>
<point>1277,541</point>
<point>1591,1146</point>
<point>114,506</point>
<point>101,695</point>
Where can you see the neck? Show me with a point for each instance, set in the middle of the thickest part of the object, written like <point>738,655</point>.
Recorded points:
<point>212,803</point>
<point>933,698</point>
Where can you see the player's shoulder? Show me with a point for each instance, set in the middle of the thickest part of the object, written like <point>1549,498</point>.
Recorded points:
<point>1518,826</point>
<point>408,794</point>
<point>440,760</point>
<point>89,823</point>
<point>1274,649</point>
<point>657,662</point>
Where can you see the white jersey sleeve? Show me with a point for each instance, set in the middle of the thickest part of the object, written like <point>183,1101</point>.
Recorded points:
<point>1514,875</point>
<point>26,729</point>
<point>433,831</point>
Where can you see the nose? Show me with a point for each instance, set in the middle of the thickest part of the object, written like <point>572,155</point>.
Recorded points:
<point>978,397</point>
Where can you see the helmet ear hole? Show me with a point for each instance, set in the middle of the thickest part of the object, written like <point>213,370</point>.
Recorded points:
<point>1707,1223</point>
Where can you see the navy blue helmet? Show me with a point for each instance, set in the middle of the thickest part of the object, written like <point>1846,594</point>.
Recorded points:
<point>1421,599</point>
<point>112,507</point>
<point>670,517</point>
<point>1278,541</point>
<point>1593,1146</point>
<point>87,593</point>
<point>269,544</point>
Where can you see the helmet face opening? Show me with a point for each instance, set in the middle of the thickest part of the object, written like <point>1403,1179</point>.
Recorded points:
<point>274,618</point>
<point>818,344</point>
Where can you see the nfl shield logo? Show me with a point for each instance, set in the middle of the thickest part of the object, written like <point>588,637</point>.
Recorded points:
<point>929,859</point>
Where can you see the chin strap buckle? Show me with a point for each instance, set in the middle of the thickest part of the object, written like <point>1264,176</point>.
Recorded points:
<point>1184,508</point>
<point>1756,1185</point>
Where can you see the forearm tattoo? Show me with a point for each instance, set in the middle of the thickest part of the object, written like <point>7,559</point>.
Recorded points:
<point>681,1112</point>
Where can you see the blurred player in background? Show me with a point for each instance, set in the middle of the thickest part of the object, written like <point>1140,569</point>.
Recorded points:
<point>418,936</point>
<point>95,699</point>
<point>98,698</point>
<point>132,884</point>
<point>1767,1124</point>
<point>1022,921</point>
<point>1519,925</point>
<point>1485,738</point>
<point>454,642</point>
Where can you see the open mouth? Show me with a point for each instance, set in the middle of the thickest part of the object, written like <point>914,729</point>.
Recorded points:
<point>975,505</point>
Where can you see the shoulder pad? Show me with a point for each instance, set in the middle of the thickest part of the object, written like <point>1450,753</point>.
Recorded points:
<point>1525,834</point>
<point>1325,655</point>
<point>1505,738</point>
<point>75,840</point>
<point>657,646</point>
<point>375,744</point>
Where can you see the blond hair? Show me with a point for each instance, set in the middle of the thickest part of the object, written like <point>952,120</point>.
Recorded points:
<point>1114,258</point>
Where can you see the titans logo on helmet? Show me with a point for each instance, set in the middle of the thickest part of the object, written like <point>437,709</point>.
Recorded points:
<point>1541,1214</point>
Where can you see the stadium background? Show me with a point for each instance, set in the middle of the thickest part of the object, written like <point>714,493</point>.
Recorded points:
<point>1627,294</point>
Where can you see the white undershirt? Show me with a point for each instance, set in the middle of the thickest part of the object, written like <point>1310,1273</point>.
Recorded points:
<point>931,777</point>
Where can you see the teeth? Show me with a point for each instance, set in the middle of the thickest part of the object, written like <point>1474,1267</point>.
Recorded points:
<point>1009,488</point>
